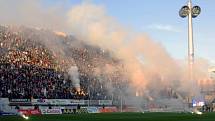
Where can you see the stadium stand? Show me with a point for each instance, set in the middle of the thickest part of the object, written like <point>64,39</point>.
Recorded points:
<point>32,68</point>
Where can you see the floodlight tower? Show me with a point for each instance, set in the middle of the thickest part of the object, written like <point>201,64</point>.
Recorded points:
<point>191,12</point>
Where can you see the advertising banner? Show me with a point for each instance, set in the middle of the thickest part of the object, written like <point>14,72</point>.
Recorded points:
<point>94,102</point>
<point>51,111</point>
<point>82,110</point>
<point>74,111</point>
<point>76,102</point>
<point>20,100</point>
<point>92,110</point>
<point>4,105</point>
<point>6,113</point>
<point>4,100</point>
<point>30,112</point>
<point>68,111</point>
<point>107,109</point>
<point>40,101</point>
<point>57,102</point>
<point>105,102</point>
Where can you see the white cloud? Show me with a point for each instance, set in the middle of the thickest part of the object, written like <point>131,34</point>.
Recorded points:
<point>162,27</point>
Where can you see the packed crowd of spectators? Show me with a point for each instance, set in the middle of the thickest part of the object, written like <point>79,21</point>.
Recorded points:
<point>29,69</point>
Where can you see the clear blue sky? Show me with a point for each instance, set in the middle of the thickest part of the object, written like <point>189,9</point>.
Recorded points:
<point>159,18</point>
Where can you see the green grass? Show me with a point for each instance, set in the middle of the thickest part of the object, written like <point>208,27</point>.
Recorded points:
<point>117,117</point>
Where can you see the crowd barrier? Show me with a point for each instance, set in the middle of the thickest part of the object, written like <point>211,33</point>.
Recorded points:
<point>58,106</point>
<point>61,102</point>
<point>68,102</point>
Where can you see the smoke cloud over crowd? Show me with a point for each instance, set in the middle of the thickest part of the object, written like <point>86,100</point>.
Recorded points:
<point>145,63</point>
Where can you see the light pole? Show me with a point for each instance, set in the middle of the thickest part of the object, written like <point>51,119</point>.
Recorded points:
<point>191,12</point>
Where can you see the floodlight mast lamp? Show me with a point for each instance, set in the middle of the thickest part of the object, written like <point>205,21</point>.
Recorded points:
<point>191,12</point>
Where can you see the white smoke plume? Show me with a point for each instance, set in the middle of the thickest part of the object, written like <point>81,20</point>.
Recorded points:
<point>92,24</point>
<point>74,77</point>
